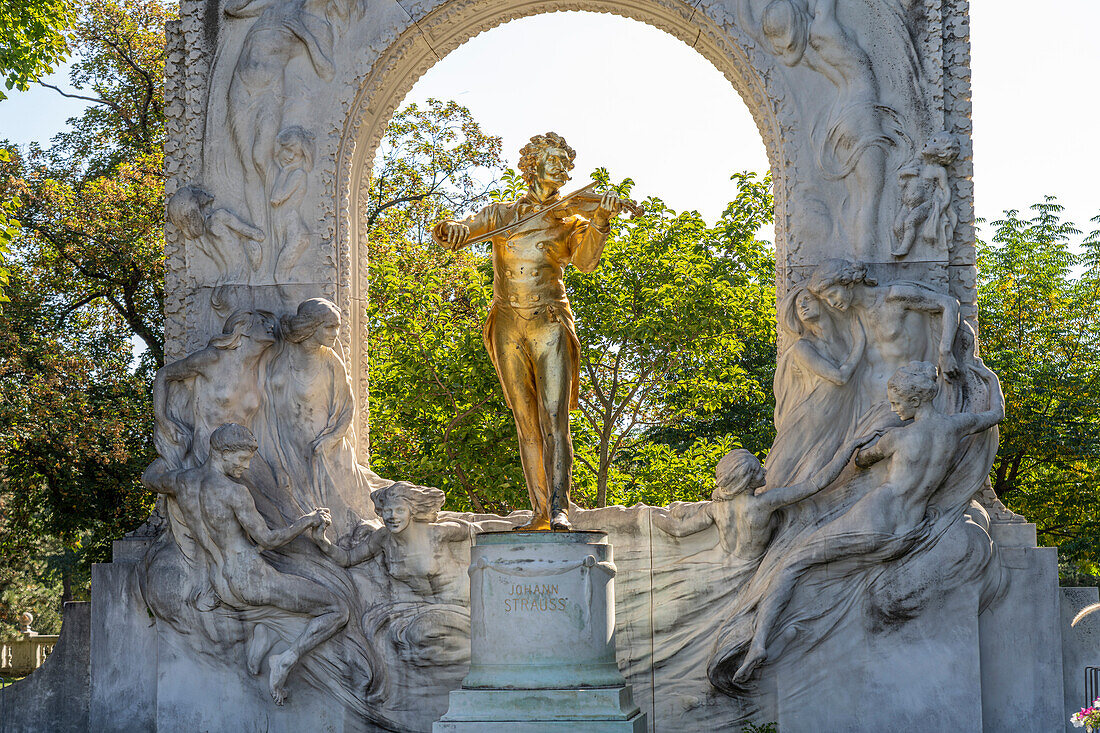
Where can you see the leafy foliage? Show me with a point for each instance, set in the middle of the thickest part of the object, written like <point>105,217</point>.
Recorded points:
<point>33,39</point>
<point>87,278</point>
<point>1039,311</point>
<point>662,324</point>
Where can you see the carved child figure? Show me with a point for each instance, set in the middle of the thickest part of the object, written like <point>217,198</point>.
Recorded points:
<point>926,212</point>
<point>233,536</point>
<point>294,156</point>
<point>220,234</point>
<point>410,541</point>
<point>745,519</point>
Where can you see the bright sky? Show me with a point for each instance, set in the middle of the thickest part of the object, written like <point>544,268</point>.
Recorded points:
<point>649,107</point>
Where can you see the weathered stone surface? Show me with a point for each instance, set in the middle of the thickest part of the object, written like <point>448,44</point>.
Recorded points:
<point>1021,639</point>
<point>1080,615</point>
<point>542,643</point>
<point>54,697</point>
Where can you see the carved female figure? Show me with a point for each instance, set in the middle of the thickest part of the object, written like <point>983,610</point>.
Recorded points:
<point>257,92</point>
<point>853,143</point>
<point>926,212</point>
<point>814,390</point>
<point>309,436</point>
<point>892,517</point>
<point>746,520</point>
<point>411,542</point>
<point>898,317</point>
<point>294,155</point>
<point>224,387</point>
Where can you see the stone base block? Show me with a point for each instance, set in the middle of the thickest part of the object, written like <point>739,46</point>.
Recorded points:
<point>597,710</point>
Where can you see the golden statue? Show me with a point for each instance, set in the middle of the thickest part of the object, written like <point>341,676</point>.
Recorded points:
<point>529,333</point>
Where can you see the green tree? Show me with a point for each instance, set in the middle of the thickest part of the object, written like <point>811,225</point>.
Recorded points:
<point>1039,314</point>
<point>662,325</point>
<point>33,40</point>
<point>437,415</point>
<point>86,282</point>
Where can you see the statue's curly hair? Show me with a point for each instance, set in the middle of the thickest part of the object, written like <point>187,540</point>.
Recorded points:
<point>915,379</point>
<point>530,152</point>
<point>424,502</point>
<point>837,271</point>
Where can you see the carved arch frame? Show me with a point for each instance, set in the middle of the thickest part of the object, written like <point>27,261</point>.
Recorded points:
<point>444,30</point>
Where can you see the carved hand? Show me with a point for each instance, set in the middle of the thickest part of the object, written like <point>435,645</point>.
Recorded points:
<point>948,366</point>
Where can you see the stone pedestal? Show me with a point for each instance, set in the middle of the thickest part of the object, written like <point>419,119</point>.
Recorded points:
<point>542,638</point>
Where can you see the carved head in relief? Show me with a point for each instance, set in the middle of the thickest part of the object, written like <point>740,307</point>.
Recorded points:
<point>316,324</point>
<point>912,386</point>
<point>834,279</point>
<point>231,449</point>
<point>294,148</point>
<point>786,26</point>
<point>260,326</point>
<point>942,149</point>
<point>547,160</point>
<point>738,471</point>
<point>402,503</point>
<point>185,210</point>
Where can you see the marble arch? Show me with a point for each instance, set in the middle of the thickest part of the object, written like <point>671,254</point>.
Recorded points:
<point>444,30</point>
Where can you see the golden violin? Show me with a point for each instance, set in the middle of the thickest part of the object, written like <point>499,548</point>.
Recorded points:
<point>582,202</point>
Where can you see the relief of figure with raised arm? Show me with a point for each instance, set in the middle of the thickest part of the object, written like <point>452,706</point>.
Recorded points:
<point>311,411</point>
<point>852,140</point>
<point>918,458</point>
<point>814,387</point>
<point>926,214</point>
<point>747,520</point>
<point>226,241</point>
<point>233,535</point>
<point>291,235</point>
<point>257,92</point>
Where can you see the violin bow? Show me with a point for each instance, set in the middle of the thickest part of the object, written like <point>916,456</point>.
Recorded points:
<point>634,209</point>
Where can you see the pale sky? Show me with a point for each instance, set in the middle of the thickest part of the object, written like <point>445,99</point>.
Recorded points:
<point>647,106</point>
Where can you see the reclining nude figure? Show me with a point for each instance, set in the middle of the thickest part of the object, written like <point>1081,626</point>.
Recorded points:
<point>746,520</point>
<point>918,458</point>
<point>234,535</point>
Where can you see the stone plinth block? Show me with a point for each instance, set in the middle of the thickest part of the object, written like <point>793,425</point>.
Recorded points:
<point>542,641</point>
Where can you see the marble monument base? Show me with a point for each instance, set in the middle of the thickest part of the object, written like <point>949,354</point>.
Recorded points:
<point>542,638</point>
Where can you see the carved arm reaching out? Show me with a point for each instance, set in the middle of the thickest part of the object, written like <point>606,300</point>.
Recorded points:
<point>785,495</point>
<point>681,519</point>
<point>920,299</point>
<point>244,508</point>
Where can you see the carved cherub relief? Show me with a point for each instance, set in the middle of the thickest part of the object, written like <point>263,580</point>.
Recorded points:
<point>292,237</point>
<point>233,535</point>
<point>229,246</point>
<point>926,214</point>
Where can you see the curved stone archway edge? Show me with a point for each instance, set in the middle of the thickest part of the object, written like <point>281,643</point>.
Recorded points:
<point>382,54</point>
